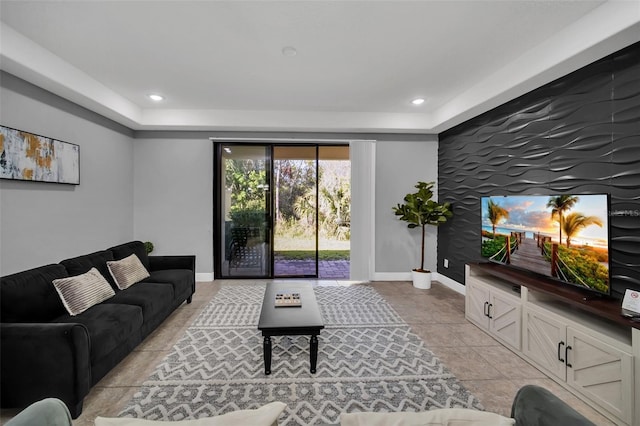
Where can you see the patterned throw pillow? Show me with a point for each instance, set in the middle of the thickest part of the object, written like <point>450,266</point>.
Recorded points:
<point>128,271</point>
<point>81,292</point>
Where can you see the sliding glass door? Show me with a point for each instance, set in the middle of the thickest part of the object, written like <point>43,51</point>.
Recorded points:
<point>334,212</point>
<point>295,187</point>
<point>282,210</point>
<point>244,201</point>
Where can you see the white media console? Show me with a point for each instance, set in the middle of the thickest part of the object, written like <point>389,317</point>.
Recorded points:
<point>581,342</point>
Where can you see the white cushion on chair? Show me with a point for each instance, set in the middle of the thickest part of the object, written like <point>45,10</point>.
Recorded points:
<point>267,415</point>
<point>438,417</point>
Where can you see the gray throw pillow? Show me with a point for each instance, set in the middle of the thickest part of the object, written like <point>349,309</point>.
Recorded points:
<point>80,292</point>
<point>128,271</point>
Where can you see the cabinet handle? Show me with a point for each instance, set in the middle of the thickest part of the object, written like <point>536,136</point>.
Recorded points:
<point>485,311</point>
<point>489,310</point>
<point>559,345</point>
<point>566,356</point>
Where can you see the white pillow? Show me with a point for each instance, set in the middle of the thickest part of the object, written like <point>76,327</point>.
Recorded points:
<point>267,415</point>
<point>439,417</point>
<point>128,271</point>
<point>80,292</point>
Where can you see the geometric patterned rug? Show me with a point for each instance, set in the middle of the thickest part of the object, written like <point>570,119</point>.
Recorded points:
<point>368,360</point>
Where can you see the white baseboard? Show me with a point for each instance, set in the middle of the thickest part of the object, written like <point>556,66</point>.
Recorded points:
<point>391,276</point>
<point>406,276</point>
<point>381,276</point>
<point>204,276</point>
<point>448,282</point>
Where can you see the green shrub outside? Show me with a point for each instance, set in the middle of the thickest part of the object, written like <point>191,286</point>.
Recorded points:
<point>310,254</point>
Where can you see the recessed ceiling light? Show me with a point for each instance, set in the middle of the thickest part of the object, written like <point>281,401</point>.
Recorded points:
<point>289,51</point>
<point>417,101</point>
<point>155,97</point>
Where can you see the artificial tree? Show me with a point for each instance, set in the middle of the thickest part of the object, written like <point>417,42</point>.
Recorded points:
<point>419,210</point>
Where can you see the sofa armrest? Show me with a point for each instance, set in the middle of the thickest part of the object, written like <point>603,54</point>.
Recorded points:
<point>157,263</point>
<point>172,262</point>
<point>41,360</point>
<point>536,406</point>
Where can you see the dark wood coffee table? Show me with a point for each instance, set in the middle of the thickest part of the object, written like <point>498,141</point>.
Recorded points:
<point>290,321</point>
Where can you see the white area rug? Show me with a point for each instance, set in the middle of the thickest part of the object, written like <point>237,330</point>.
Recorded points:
<point>368,360</point>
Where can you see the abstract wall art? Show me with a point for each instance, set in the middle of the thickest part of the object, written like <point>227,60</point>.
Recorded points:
<point>30,157</point>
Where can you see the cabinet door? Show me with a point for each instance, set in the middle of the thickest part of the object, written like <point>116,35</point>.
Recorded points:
<point>544,341</point>
<point>506,318</point>
<point>476,303</point>
<point>600,372</point>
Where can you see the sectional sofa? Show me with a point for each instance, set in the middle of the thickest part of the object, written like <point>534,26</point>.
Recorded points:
<point>49,351</point>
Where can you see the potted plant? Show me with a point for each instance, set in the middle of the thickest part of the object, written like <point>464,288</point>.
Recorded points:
<point>148,246</point>
<point>419,210</point>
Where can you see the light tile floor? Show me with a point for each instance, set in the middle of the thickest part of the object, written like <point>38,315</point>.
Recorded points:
<point>484,366</point>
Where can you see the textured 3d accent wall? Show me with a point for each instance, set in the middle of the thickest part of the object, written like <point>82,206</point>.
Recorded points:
<point>578,134</point>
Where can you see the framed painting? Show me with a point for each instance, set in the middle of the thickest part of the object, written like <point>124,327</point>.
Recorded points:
<point>30,157</point>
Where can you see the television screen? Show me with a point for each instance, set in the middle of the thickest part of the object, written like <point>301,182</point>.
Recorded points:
<point>562,236</point>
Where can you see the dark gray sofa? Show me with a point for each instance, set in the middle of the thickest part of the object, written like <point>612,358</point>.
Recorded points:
<point>536,406</point>
<point>45,352</point>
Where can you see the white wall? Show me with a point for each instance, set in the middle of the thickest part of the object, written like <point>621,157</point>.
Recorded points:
<point>43,223</point>
<point>399,166</point>
<point>173,196</point>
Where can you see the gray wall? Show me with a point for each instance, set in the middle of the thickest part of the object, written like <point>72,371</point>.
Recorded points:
<point>44,223</point>
<point>399,166</point>
<point>173,194</point>
<point>158,186</point>
<point>578,134</point>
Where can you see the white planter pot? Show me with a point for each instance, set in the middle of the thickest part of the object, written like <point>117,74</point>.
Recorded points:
<point>421,280</point>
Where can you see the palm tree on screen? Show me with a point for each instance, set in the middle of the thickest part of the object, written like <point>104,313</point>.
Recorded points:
<point>495,214</point>
<point>559,205</point>
<point>574,222</point>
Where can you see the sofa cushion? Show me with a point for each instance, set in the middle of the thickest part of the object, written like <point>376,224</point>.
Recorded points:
<point>29,296</point>
<point>81,264</point>
<point>109,325</point>
<point>128,271</point>
<point>152,298</point>
<point>127,249</point>
<point>80,292</point>
<point>180,279</point>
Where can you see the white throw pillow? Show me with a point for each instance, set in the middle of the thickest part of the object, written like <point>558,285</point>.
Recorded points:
<point>128,271</point>
<point>439,417</point>
<point>80,292</point>
<point>267,415</point>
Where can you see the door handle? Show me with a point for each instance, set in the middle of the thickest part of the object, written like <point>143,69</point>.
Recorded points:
<point>489,310</point>
<point>566,356</point>
<point>485,311</point>
<point>561,343</point>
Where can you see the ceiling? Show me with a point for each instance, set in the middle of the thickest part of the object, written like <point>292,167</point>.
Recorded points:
<point>221,65</point>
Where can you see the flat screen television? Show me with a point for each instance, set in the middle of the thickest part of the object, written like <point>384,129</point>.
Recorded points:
<point>562,236</point>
